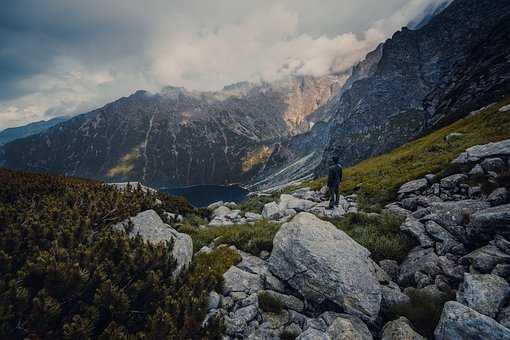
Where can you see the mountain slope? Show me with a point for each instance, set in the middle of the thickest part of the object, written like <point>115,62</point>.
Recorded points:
<point>178,137</point>
<point>424,79</point>
<point>13,133</point>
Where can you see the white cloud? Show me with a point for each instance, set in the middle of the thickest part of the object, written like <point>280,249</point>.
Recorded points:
<point>199,45</point>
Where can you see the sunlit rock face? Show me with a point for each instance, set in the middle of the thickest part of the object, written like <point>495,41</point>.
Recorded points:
<point>179,137</point>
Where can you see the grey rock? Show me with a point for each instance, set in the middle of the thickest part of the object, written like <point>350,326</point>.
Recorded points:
<point>348,327</point>
<point>391,267</point>
<point>221,211</point>
<point>152,229</point>
<point>237,280</point>
<point>493,164</point>
<point>255,265</point>
<point>235,326</point>
<point>413,186</point>
<point>287,301</point>
<point>227,302</point>
<point>502,243</point>
<point>430,178</point>
<point>456,213</point>
<point>215,205</point>
<point>475,192</point>
<point>498,196</point>
<point>213,301</point>
<point>490,219</point>
<point>247,313</point>
<point>461,322</point>
<point>505,108</point>
<point>323,263</point>
<point>504,317</point>
<point>291,202</point>
<point>317,323</point>
<point>251,217</point>
<point>313,334</point>
<point>397,210</point>
<point>400,329</point>
<point>410,203</point>
<point>477,152</point>
<point>274,320</point>
<point>484,259</point>
<point>502,270</point>
<point>448,243</point>
<point>419,259</point>
<point>477,171</point>
<point>416,229</point>
<point>484,293</point>
<point>272,211</point>
<point>452,181</point>
<point>264,254</point>
<point>392,296</point>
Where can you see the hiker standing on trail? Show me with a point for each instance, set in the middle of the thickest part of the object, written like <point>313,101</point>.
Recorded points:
<point>334,178</point>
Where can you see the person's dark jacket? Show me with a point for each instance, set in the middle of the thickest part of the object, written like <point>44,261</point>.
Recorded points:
<point>334,175</point>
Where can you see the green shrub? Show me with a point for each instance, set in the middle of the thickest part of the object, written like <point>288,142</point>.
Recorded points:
<point>380,234</point>
<point>255,203</point>
<point>269,303</point>
<point>424,310</point>
<point>250,238</point>
<point>65,274</point>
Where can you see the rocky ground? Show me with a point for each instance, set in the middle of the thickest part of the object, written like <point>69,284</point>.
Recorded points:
<point>327,287</point>
<point>318,283</point>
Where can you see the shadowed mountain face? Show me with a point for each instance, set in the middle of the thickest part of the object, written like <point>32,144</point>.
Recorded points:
<point>424,78</point>
<point>178,137</point>
<point>13,133</point>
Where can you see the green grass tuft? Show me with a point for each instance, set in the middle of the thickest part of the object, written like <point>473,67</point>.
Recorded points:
<point>269,303</point>
<point>379,234</point>
<point>249,238</point>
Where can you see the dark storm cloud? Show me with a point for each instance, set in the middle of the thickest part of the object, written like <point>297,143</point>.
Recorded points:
<point>65,57</point>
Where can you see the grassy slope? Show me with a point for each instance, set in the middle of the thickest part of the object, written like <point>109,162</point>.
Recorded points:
<point>379,178</point>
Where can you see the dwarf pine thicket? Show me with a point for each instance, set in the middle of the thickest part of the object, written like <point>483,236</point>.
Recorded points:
<point>65,274</point>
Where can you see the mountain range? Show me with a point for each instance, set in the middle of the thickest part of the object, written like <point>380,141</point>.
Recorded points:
<point>13,133</point>
<point>453,60</point>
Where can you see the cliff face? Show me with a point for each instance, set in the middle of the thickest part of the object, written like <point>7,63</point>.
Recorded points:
<point>177,137</point>
<point>424,77</point>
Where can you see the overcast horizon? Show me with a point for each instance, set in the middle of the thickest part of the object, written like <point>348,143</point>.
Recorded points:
<point>60,58</point>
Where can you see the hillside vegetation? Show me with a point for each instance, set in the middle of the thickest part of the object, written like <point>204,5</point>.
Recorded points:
<point>64,273</point>
<point>377,179</point>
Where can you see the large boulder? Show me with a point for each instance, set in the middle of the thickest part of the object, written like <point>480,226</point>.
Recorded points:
<point>298,204</point>
<point>400,329</point>
<point>483,260</point>
<point>484,293</point>
<point>413,186</point>
<point>461,322</point>
<point>272,211</point>
<point>416,229</point>
<point>477,152</point>
<point>151,228</point>
<point>325,264</point>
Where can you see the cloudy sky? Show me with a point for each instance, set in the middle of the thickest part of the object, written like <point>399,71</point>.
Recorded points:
<point>67,57</point>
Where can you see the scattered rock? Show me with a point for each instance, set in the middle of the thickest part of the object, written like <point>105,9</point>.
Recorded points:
<point>454,136</point>
<point>391,267</point>
<point>272,211</point>
<point>461,322</point>
<point>291,202</point>
<point>413,186</point>
<point>493,164</point>
<point>452,181</point>
<point>313,334</point>
<point>422,260</point>
<point>478,152</point>
<point>484,293</point>
<point>477,171</point>
<point>237,280</point>
<point>484,259</point>
<point>498,196</point>
<point>416,229</point>
<point>400,329</point>
<point>287,301</point>
<point>348,327</point>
